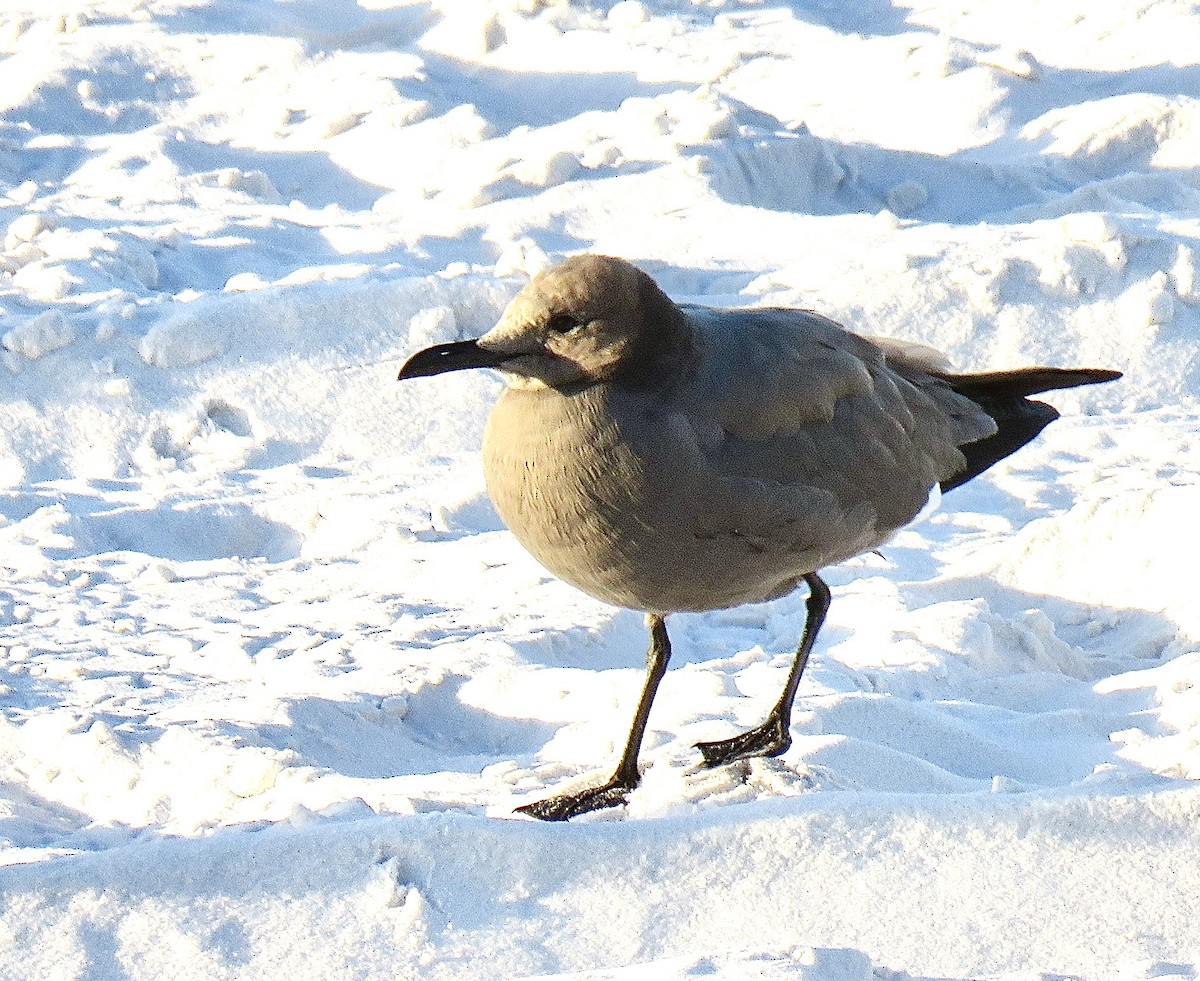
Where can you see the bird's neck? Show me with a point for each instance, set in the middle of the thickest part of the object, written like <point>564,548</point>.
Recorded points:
<point>665,346</point>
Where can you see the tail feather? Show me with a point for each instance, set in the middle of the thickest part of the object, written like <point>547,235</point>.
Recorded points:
<point>1003,396</point>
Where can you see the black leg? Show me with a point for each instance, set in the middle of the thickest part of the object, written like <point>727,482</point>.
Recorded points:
<point>626,777</point>
<point>773,736</point>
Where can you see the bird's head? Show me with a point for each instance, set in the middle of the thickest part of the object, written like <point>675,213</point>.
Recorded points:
<point>589,319</point>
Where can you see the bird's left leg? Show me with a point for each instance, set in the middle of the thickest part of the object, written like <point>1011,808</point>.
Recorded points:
<point>626,776</point>
<point>773,737</point>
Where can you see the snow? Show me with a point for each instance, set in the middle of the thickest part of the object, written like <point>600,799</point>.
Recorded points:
<point>273,676</point>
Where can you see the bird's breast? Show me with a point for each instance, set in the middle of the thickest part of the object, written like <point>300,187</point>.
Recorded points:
<point>568,486</point>
<point>620,498</point>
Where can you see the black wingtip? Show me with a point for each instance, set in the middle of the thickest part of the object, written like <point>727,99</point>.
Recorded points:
<point>1004,395</point>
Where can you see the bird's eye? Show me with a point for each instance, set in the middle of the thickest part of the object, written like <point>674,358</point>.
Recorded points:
<point>562,323</point>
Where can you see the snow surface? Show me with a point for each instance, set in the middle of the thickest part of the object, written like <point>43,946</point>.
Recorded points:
<point>273,676</point>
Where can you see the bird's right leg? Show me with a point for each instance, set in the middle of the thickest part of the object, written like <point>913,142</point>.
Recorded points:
<point>773,737</point>
<point>616,789</point>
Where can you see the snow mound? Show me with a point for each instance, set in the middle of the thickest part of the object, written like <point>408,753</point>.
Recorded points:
<point>39,335</point>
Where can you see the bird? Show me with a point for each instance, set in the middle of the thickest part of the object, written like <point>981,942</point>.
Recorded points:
<point>667,457</point>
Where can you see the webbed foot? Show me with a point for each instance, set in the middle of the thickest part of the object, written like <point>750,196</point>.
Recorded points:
<point>563,807</point>
<point>769,739</point>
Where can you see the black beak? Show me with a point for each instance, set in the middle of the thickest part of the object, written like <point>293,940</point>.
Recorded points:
<point>450,357</point>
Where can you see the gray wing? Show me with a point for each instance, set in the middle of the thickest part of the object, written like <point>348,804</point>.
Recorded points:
<point>806,437</point>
